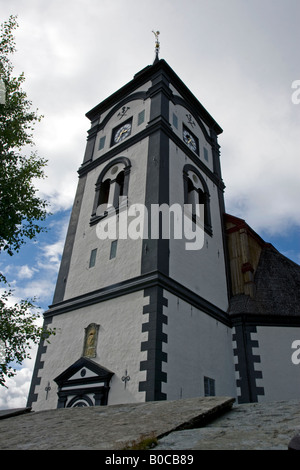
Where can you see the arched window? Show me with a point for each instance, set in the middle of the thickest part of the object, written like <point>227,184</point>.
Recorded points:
<point>111,188</point>
<point>104,192</point>
<point>119,190</point>
<point>190,192</point>
<point>196,192</point>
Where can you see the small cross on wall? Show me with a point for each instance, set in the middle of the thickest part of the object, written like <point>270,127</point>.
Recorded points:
<point>125,378</point>
<point>47,390</point>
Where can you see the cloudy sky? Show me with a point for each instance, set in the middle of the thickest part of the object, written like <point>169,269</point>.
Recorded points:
<point>239,58</point>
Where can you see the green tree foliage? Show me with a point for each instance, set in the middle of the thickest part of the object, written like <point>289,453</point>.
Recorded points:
<point>18,332</point>
<point>22,211</point>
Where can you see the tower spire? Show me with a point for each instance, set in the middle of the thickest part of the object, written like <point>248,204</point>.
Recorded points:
<point>157,46</point>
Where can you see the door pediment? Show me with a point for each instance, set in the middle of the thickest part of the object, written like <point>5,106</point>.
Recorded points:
<point>86,382</point>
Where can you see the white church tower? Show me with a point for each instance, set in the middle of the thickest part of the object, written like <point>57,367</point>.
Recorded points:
<point>141,318</point>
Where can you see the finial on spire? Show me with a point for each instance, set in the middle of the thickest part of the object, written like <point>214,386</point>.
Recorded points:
<point>157,45</point>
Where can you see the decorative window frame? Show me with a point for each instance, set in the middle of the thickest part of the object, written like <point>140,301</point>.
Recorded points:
<point>206,196</point>
<point>115,207</point>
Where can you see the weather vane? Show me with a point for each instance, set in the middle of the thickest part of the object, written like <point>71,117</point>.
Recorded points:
<point>157,44</point>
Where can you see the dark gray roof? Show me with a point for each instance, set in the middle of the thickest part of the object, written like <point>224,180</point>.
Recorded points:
<point>277,287</point>
<point>142,77</point>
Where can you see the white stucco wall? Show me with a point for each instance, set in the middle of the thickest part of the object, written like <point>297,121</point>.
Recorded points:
<point>203,270</point>
<point>118,348</point>
<point>197,346</point>
<point>127,264</point>
<point>280,377</point>
<point>181,112</point>
<point>135,107</point>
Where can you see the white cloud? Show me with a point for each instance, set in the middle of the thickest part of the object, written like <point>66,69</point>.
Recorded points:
<point>16,393</point>
<point>259,149</point>
<point>38,289</point>
<point>25,272</point>
<point>50,253</point>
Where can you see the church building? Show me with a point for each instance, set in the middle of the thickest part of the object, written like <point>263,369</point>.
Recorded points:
<point>141,316</point>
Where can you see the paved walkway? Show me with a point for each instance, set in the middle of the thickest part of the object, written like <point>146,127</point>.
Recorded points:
<point>269,426</point>
<point>255,426</point>
<point>112,427</point>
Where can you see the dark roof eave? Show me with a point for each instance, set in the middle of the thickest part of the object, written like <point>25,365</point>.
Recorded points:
<point>144,75</point>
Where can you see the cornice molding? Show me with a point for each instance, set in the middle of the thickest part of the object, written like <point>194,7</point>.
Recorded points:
<point>159,124</point>
<point>137,284</point>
